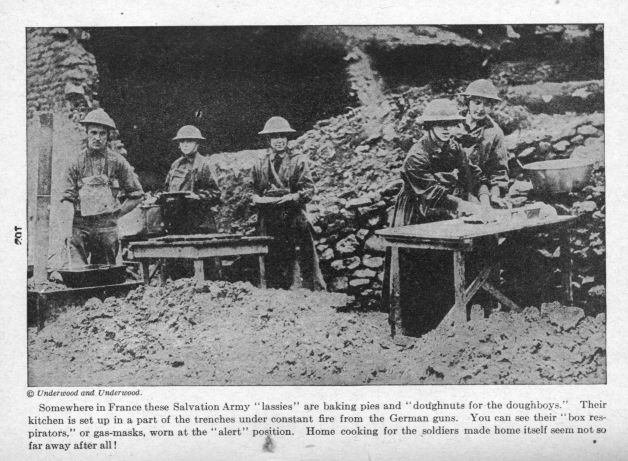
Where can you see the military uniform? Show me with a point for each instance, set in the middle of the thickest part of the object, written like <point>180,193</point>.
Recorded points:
<point>287,223</point>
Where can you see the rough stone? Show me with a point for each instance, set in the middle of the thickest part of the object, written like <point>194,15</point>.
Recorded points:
<point>359,283</point>
<point>564,317</point>
<point>526,153</point>
<point>579,139</point>
<point>347,245</point>
<point>561,146</point>
<point>327,255</point>
<point>364,273</point>
<point>358,202</point>
<point>375,244</point>
<point>588,130</point>
<point>351,263</point>
<point>338,283</point>
<point>373,262</point>
<point>362,233</point>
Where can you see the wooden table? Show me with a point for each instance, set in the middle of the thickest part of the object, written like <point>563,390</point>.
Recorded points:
<point>460,238</point>
<point>199,250</point>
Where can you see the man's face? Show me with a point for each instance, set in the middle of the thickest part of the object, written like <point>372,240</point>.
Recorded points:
<point>188,146</point>
<point>278,142</point>
<point>444,131</point>
<point>96,137</point>
<point>118,146</point>
<point>479,107</point>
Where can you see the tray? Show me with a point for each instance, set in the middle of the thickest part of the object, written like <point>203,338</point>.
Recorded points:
<point>192,237</point>
<point>93,275</point>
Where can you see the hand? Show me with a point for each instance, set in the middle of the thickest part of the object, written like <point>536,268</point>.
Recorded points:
<point>55,276</point>
<point>466,208</point>
<point>192,196</point>
<point>288,198</point>
<point>498,202</point>
<point>255,199</point>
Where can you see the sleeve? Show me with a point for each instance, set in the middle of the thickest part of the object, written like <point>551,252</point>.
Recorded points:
<point>70,185</point>
<point>207,186</point>
<point>304,182</point>
<point>256,174</point>
<point>497,163</point>
<point>425,184</point>
<point>129,181</point>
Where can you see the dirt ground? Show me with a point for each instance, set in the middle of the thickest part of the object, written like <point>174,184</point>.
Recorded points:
<point>221,333</point>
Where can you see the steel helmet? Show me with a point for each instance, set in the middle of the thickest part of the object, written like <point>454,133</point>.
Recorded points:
<point>188,132</point>
<point>441,110</point>
<point>277,125</point>
<point>99,117</point>
<point>482,88</point>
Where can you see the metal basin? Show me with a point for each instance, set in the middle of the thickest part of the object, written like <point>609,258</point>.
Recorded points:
<point>559,176</point>
<point>93,275</point>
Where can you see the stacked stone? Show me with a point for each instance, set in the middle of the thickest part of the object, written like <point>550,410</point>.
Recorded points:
<point>559,136</point>
<point>352,256</point>
<point>60,74</point>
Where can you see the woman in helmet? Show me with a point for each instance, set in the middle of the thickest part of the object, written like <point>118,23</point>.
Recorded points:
<point>483,141</point>
<point>292,258</point>
<point>191,173</point>
<point>437,181</point>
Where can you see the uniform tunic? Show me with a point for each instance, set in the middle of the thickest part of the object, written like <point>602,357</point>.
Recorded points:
<point>287,223</point>
<point>95,238</point>
<point>186,216</point>
<point>485,148</point>
<point>430,173</point>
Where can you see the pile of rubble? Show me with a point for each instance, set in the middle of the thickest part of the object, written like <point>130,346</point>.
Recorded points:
<point>202,333</point>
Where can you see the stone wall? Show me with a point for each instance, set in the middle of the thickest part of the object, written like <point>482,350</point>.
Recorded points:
<point>60,74</point>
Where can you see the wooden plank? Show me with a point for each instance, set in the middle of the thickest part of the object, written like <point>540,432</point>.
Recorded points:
<point>163,276</point>
<point>199,269</point>
<point>262,271</point>
<point>394,291</point>
<point>146,271</point>
<point>185,251</point>
<point>477,283</point>
<point>404,242</point>
<point>460,306</point>
<point>44,181</point>
<point>456,229</point>
<point>566,266</point>
<point>499,296</point>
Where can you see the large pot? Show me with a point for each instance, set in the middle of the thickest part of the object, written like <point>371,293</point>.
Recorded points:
<point>93,275</point>
<point>559,176</point>
<point>142,220</point>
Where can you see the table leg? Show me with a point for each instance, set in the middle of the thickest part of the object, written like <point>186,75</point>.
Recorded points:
<point>394,292</point>
<point>460,307</point>
<point>146,271</point>
<point>163,276</point>
<point>565,266</point>
<point>262,271</point>
<point>199,269</point>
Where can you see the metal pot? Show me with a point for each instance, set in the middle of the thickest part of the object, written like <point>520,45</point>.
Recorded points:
<point>142,220</point>
<point>559,176</point>
<point>93,275</point>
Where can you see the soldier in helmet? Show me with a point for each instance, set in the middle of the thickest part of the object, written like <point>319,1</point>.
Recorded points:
<point>90,195</point>
<point>483,140</point>
<point>438,182</point>
<point>191,173</point>
<point>286,175</point>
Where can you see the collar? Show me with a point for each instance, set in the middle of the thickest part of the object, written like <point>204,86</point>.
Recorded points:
<point>486,122</point>
<point>273,155</point>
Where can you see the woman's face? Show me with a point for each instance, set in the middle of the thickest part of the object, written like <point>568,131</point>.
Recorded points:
<point>479,107</point>
<point>278,142</point>
<point>187,146</point>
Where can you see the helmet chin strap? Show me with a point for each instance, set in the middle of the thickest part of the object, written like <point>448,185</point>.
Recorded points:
<point>434,138</point>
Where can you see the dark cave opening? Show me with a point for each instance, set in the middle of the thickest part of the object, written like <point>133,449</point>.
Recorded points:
<point>226,80</point>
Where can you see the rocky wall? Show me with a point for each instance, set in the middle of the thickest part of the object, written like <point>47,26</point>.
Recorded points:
<point>60,74</point>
